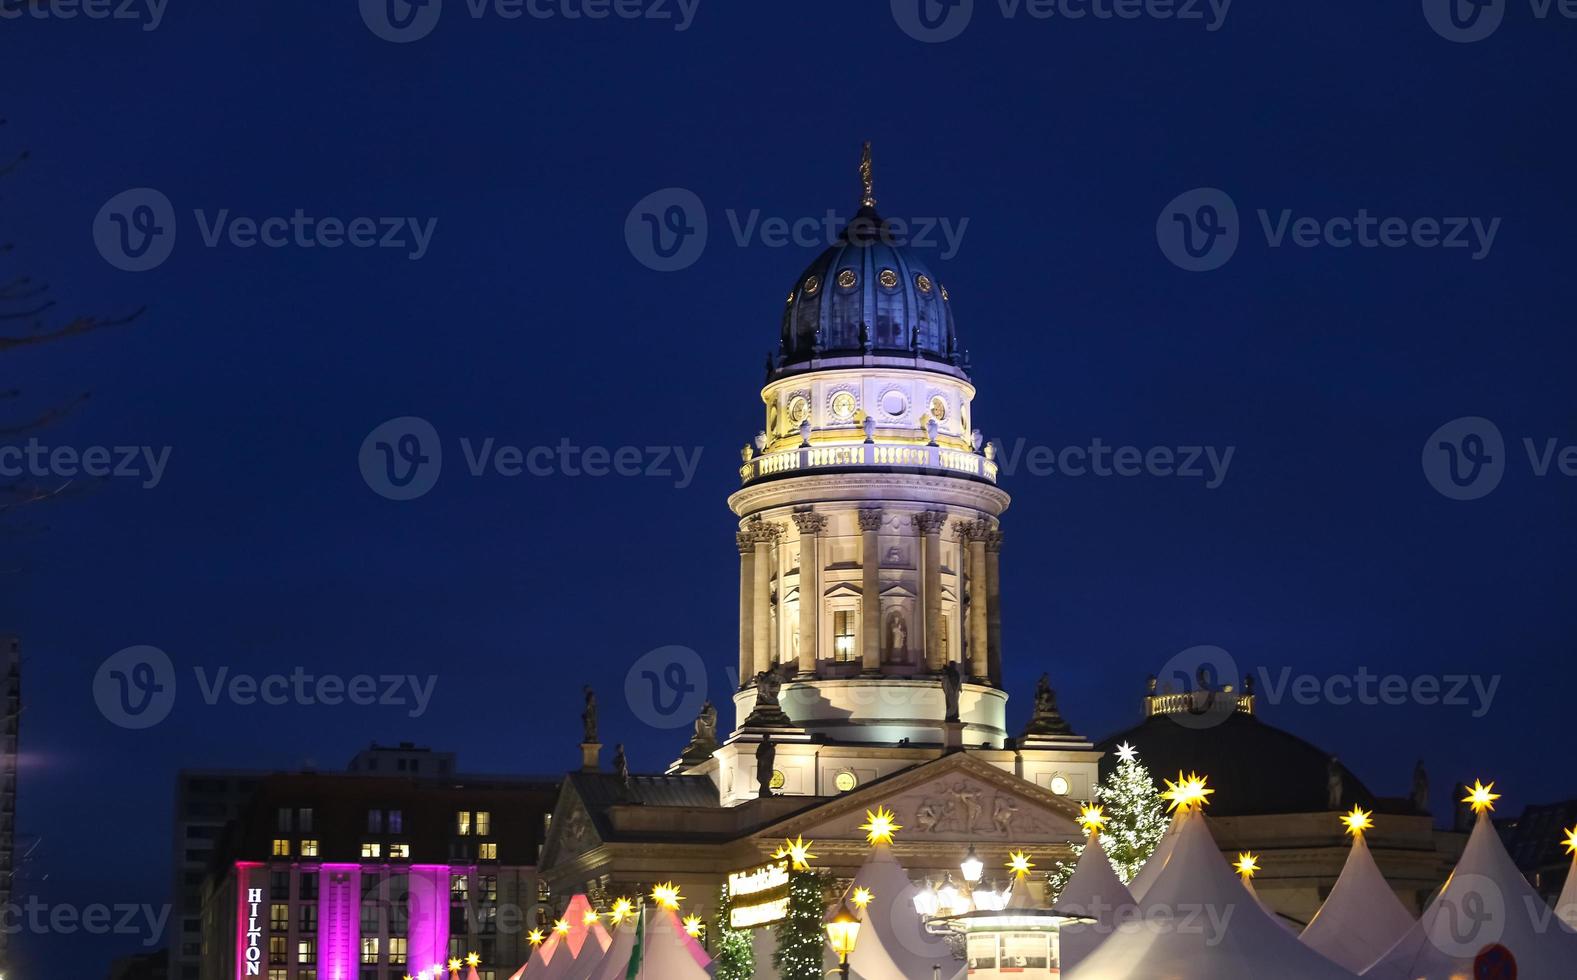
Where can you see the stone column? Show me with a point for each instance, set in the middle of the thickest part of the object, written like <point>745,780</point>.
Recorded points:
<point>747,636</point>
<point>979,632</point>
<point>810,526</point>
<point>930,525</point>
<point>870,590</point>
<point>761,595</point>
<point>994,605</point>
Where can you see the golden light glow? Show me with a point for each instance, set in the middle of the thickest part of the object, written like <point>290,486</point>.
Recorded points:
<point>438,969</point>
<point>623,908</point>
<point>1091,818</point>
<point>590,917</point>
<point>473,959</point>
<point>1247,866</point>
<point>1019,863</point>
<point>454,965</point>
<point>693,924</point>
<point>1358,821</point>
<point>534,937</point>
<point>667,896</point>
<point>880,827</point>
<point>1480,797</point>
<point>798,853</point>
<point>1571,841</point>
<point>861,898</point>
<point>1188,793</point>
<point>561,927</point>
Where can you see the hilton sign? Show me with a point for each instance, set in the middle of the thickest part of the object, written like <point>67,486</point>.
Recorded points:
<point>253,952</point>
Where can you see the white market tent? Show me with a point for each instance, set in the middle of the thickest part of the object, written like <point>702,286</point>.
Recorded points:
<point>1362,918</point>
<point>617,960</point>
<point>1486,918</point>
<point>1095,891</point>
<point>1157,863</point>
<point>1199,923</point>
<point>574,953</point>
<point>1566,905</point>
<point>667,951</point>
<point>893,942</point>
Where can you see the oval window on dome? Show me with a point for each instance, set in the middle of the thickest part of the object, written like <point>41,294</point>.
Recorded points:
<point>894,403</point>
<point>944,292</point>
<point>812,285</point>
<point>939,408</point>
<point>923,282</point>
<point>847,279</point>
<point>888,278</point>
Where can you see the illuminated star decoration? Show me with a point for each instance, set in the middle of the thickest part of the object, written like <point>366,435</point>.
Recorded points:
<point>1188,793</point>
<point>561,927</point>
<point>693,925</point>
<point>534,937</point>
<point>1019,863</point>
<point>623,908</point>
<point>798,853</point>
<point>1247,866</point>
<point>1358,821</point>
<point>473,959</point>
<point>880,827</point>
<point>590,917</point>
<point>1127,753</point>
<point>1480,797</point>
<point>454,965</point>
<point>438,970</point>
<point>1091,818</point>
<point>1571,842</point>
<point>667,896</point>
<point>862,897</point>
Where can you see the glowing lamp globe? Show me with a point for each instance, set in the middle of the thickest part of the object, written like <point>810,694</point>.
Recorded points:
<point>843,930</point>
<point>972,866</point>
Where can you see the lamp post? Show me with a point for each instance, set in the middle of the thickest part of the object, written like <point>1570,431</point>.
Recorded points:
<point>843,929</point>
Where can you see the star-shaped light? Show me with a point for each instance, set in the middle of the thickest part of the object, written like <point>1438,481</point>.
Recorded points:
<point>1127,753</point>
<point>534,937</point>
<point>1480,797</point>
<point>1247,866</point>
<point>1019,863</point>
<point>454,965</point>
<point>473,959</point>
<point>438,970</point>
<point>862,897</point>
<point>623,908</point>
<point>561,927</point>
<point>667,896</point>
<point>1571,842</point>
<point>1091,818</point>
<point>693,924</point>
<point>1358,821</point>
<point>1188,793</point>
<point>880,827</point>
<point>798,853</point>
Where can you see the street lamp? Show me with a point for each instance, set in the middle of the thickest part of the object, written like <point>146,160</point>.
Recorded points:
<point>972,866</point>
<point>842,931</point>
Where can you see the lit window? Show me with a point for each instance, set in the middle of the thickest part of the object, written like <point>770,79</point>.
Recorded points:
<point>371,849</point>
<point>281,848</point>
<point>843,646</point>
<point>277,945</point>
<point>399,850</point>
<point>278,974</point>
<point>397,949</point>
<point>489,888</point>
<point>463,823</point>
<point>396,822</point>
<point>307,951</point>
<point>309,848</point>
<point>487,852</point>
<point>279,917</point>
<point>484,823</point>
<point>369,949</point>
<point>458,886</point>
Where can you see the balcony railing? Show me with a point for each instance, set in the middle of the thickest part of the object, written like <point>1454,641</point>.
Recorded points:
<point>869,456</point>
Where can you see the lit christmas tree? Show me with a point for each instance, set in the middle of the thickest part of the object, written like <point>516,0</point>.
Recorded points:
<point>735,958</point>
<point>801,938</point>
<point>1135,820</point>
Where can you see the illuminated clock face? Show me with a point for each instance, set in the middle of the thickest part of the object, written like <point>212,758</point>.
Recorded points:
<point>846,781</point>
<point>777,779</point>
<point>798,409</point>
<point>843,406</point>
<point>1059,785</point>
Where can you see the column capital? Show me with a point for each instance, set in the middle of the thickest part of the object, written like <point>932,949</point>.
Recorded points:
<point>930,522</point>
<point>760,530</point>
<point>975,530</point>
<point>994,540</point>
<point>871,518</point>
<point>810,522</point>
<point>746,542</point>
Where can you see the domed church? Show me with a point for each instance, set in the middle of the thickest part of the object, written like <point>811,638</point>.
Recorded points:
<point>870,539</point>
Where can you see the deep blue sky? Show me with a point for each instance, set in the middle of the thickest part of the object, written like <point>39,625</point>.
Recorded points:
<point>530,321</point>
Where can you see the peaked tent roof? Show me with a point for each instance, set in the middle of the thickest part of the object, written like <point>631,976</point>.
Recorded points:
<point>615,962</point>
<point>1486,913</point>
<point>1152,868</point>
<point>1566,905</point>
<point>568,953</point>
<point>1362,918</point>
<point>894,942</point>
<point>1197,922</point>
<point>668,952</point>
<point>1096,891</point>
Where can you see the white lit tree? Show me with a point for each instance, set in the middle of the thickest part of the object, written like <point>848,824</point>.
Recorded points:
<point>1135,820</point>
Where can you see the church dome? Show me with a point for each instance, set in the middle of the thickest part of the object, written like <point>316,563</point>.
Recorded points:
<point>868,294</point>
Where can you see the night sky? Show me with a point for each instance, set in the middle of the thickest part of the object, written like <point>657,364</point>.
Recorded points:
<point>529,319</point>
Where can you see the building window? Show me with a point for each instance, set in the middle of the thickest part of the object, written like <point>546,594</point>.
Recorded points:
<point>396,822</point>
<point>843,645</point>
<point>281,848</point>
<point>459,886</point>
<point>309,848</point>
<point>457,946</point>
<point>304,819</point>
<point>369,949</point>
<point>374,821</point>
<point>488,885</point>
<point>277,945</point>
<point>309,888</point>
<point>279,917</point>
<point>463,823</point>
<point>307,951</point>
<point>284,820</point>
<point>400,851</point>
<point>306,975</point>
<point>484,823</point>
<point>279,884</point>
<point>371,849</point>
<point>278,974</point>
<point>308,918</point>
<point>398,949</point>
<point>487,851</point>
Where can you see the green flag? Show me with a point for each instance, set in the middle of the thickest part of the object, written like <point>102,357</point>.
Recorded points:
<point>639,949</point>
